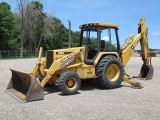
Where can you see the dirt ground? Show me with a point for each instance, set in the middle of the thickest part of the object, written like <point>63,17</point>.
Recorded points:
<point>91,103</point>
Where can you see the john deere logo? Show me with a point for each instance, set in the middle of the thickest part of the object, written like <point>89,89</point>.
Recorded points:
<point>68,57</point>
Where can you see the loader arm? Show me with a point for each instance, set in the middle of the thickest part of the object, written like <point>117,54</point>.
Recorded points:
<point>25,87</point>
<point>59,65</point>
<point>38,63</point>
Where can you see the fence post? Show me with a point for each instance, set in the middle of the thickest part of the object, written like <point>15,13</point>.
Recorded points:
<point>8,53</point>
<point>0,54</point>
<point>16,53</point>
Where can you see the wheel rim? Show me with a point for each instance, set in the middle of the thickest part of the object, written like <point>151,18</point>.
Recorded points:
<point>71,83</point>
<point>113,72</point>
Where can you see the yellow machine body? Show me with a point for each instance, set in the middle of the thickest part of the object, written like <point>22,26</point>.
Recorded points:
<point>66,67</point>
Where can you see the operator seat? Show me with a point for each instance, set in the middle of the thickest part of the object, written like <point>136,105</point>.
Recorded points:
<point>102,45</point>
<point>90,55</point>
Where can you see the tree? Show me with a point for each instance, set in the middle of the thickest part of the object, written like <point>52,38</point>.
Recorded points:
<point>29,28</point>
<point>34,25</point>
<point>22,6</point>
<point>75,38</point>
<point>54,33</point>
<point>6,26</point>
<point>15,43</point>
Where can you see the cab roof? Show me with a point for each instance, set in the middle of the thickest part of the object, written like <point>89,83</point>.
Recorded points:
<point>99,24</point>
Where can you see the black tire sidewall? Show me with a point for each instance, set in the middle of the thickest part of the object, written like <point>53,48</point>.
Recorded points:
<point>101,71</point>
<point>63,83</point>
<point>119,80</point>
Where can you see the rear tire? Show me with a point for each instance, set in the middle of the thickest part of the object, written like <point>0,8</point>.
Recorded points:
<point>109,72</point>
<point>69,83</point>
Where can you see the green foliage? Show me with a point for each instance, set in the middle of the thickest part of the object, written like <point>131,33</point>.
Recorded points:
<point>4,4</point>
<point>110,47</point>
<point>150,49</point>
<point>75,38</point>
<point>12,44</point>
<point>34,25</point>
<point>54,33</point>
<point>6,26</point>
<point>39,29</point>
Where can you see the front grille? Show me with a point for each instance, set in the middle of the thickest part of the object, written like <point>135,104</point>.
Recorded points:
<point>49,59</point>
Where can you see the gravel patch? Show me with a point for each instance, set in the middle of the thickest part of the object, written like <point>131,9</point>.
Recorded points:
<point>91,103</point>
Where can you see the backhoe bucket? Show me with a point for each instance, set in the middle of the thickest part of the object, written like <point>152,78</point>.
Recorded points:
<point>146,72</point>
<point>24,88</point>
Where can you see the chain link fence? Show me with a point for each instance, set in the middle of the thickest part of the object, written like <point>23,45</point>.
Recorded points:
<point>32,54</point>
<point>16,54</point>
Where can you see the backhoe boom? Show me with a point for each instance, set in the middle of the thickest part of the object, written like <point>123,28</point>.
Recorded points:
<point>130,45</point>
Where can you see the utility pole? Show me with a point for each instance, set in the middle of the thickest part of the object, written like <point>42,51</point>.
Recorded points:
<point>69,43</point>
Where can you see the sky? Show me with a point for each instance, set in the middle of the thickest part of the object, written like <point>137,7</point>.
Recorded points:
<point>125,13</point>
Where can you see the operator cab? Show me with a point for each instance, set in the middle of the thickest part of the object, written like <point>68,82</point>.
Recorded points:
<point>98,37</point>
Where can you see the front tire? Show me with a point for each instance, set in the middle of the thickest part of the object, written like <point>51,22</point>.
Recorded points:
<point>109,72</point>
<point>69,83</point>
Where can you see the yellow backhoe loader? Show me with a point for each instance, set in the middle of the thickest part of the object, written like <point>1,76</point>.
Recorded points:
<point>99,56</point>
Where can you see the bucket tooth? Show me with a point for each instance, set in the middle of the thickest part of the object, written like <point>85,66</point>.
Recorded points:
<point>24,88</point>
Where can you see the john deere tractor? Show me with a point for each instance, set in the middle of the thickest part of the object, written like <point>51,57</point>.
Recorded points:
<point>99,56</point>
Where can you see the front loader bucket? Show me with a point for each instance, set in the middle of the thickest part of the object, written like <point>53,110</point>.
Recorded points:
<point>24,88</point>
<point>146,72</point>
